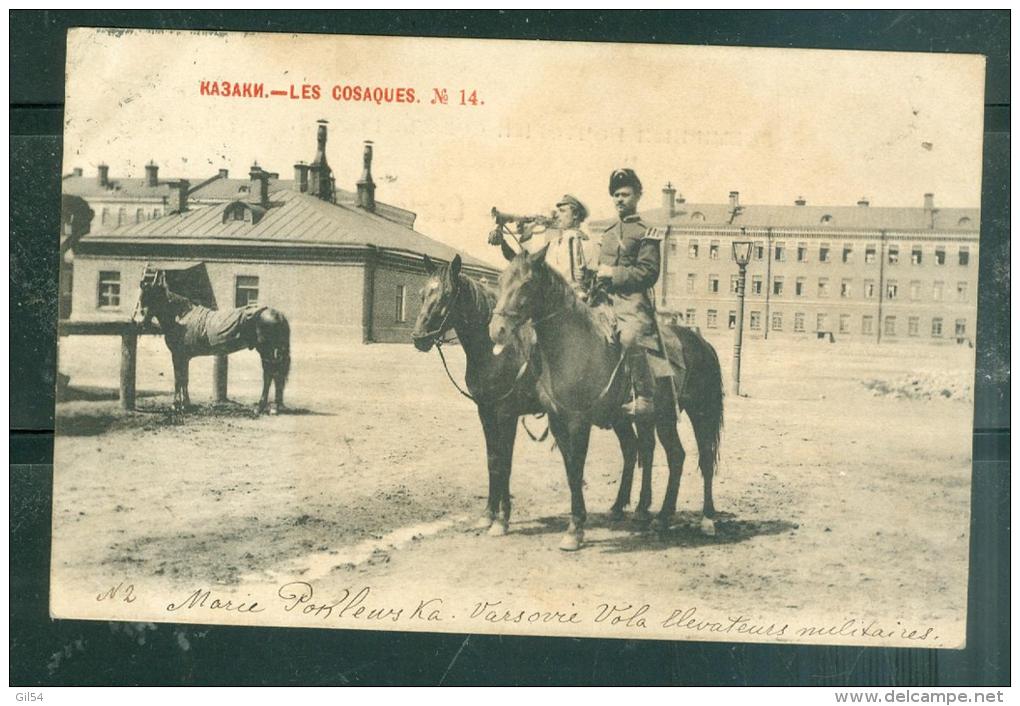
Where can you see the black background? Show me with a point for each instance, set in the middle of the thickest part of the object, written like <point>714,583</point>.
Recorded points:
<point>48,652</point>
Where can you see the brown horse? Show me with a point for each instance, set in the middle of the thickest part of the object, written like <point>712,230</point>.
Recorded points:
<point>502,386</point>
<point>583,382</point>
<point>192,330</point>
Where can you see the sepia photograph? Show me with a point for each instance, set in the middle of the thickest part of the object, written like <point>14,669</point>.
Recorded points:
<point>517,337</point>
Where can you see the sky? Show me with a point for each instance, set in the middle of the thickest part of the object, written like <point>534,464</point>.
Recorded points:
<point>551,118</point>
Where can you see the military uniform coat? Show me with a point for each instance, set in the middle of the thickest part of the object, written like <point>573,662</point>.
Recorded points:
<point>632,250</point>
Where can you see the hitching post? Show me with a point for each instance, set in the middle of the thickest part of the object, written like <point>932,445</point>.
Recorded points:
<point>220,378</point>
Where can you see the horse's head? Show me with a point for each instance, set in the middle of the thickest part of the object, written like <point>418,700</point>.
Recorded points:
<point>437,301</point>
<point>519,298</point>
<point>154,294</point>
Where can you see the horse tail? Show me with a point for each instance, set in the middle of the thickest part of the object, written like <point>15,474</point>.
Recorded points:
<point>281,351</point>
<point>704,393</point>
<point>714,404</point>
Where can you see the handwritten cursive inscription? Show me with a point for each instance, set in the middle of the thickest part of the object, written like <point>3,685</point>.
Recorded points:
<point>203,598</point>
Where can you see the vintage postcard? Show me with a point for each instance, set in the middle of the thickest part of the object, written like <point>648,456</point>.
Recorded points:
<point>713,307</point>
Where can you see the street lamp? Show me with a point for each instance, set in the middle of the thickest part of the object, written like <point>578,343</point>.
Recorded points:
<point>742,256</point>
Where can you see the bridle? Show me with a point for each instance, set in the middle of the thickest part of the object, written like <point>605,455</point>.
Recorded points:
<point>436,334</point>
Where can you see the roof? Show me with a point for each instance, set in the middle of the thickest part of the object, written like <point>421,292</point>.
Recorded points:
<point>89,188</point>
<point>293,219</point>
<point>813,217</point>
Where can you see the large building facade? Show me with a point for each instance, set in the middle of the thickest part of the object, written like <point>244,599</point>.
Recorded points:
<point>848,272</point>
<point>345,264</point>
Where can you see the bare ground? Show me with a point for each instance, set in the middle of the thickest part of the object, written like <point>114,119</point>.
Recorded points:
<point>843,494</point>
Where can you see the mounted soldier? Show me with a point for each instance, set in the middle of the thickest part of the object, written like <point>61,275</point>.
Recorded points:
<point>571,251</point>
<point>628,267</point>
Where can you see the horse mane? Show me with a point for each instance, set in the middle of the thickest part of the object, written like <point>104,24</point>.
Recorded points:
<point>565,293</point>
<point>482,298</point>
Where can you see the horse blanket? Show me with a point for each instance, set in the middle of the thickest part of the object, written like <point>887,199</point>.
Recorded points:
<point>230,329</point>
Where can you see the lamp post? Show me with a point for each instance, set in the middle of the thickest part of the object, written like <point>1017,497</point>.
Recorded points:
<point>742,256</point>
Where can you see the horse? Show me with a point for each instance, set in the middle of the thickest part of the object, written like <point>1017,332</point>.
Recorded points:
<point>503,386</point>
<point>583,381</point>
<point>191,330</point>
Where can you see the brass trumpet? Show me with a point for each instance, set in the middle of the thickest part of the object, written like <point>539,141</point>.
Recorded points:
<point>503,218</point>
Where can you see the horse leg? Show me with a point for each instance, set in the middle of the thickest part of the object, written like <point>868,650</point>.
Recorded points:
<point>665,427</point>
<point>280,380</point>
<point>628,447</point>
<point>646,454</point>
<point>507,435</point>
<point>579,434</point>
<point>179,376</point>
<point>185,369</point>
<point>708,443</point>
<point>491,431</point>
<point>267,380</point>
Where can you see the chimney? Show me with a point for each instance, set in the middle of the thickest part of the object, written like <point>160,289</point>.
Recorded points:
<point>104,175</point>
<point>669,199</point>
<point>151,174</point>
<point>800,201</point>
<point>77,171</point>
<point>301,177</point>
<point>734,199</point>
<point>320,183</point>
<point>366,187</point>
<point>224,174</point>
<point>929,210</point>
<point>259,185</point>
<point>179,191</point>
<point>863,202</point>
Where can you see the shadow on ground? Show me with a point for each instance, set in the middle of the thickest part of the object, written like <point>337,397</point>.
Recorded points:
<point>632,535</point>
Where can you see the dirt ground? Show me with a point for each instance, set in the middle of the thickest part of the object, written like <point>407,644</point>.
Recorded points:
<point>843,494</point>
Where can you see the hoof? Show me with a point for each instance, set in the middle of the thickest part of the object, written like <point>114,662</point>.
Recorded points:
<point>498,529</point>
<point>273,411</point>
<point>482,523</point>
<point>616,514</point>
<point>708,526</point>
<point>572,541</point>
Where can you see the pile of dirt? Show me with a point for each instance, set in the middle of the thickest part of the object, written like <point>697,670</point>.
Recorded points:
<point>923,386</point>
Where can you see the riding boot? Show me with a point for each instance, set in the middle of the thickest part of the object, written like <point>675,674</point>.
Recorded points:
<point>643,383</point>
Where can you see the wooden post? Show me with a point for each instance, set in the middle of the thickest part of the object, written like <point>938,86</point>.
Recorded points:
<point>220,378</point>
<point>128,365</point>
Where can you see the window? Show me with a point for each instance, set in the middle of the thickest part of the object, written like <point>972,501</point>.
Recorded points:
<point>109,290</point>
<point>689,316</point>
<point>139,215</point>
<point>121,215</point>
<point>869,253</point>
<point>672,247</point>
<point>105,217</point>
<point>913,326</point>
<point>894,254</point>
<point>732,319</point>
<point>155,213</point>
<point>822,322</point>
<point>964,256</point>
<point>671,260</point>
<point>400,315</point>
<point>801,252</point>
<point>780,252</point>
<point>867,324</point>
<point>844,323</point>
<point>940,255</point>
<point>823,252</point>
<point>759,251</point>
<point>798,322</point>
<point>712,317</point>
<point>692,249</point>
<point>936,291</point>
<point>777,321</point>
<point>890,326</point>
<point>798,286</point>
<point>961,291</point>
<point>713,284</point>
<point>756,284</point>
<point>848,253</point>
<point>691,278</point>
<point>734,283</point>
<point>915,291</point>
<point>845,290</point>
<point>936,328</point>
<point>823,286</point>
<point>777,286</point>
<point>713,250</point>
<point>869,289</point>
<point>916,255</point>
<point>826,218</point>
<point>891,290</point>
<point>961,327</point>
<point>756,321</point>
<point>246,290</point>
